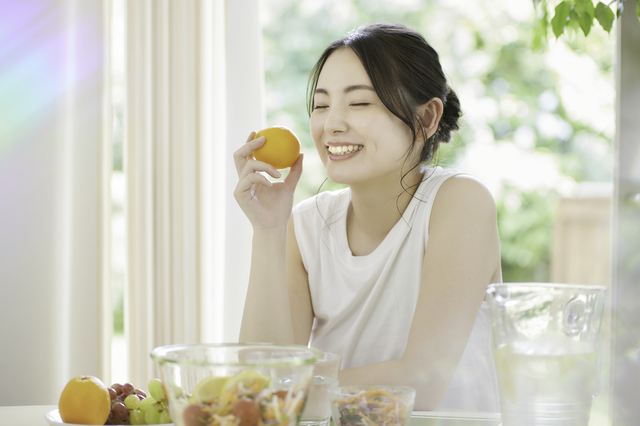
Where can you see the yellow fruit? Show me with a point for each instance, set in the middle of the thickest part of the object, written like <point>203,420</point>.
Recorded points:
<point>281,147</point>
<point>249,379</point>
<point>85,400</point>
<point>207,390</point>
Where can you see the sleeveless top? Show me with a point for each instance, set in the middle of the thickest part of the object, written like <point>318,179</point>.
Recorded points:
<point>364,305</point>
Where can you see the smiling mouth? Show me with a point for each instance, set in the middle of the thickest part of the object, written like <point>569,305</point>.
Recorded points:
<point>344,149</point>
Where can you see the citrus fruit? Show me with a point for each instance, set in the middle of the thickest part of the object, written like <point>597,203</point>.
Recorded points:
<point>281,147</point>
<point>85,400</point>
<point>207,390</point>
<point>249,379</point>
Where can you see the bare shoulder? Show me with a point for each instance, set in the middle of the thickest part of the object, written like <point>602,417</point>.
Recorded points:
<point>463,225</point>
<point>463,197</point>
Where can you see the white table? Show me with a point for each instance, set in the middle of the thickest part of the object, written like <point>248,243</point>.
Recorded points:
<point>26,415</point>
<point>33,415</point>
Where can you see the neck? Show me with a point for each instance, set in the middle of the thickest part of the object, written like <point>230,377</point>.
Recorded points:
<point>376,208</point>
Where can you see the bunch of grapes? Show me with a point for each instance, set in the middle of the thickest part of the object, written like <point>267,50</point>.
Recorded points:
<point>132,406</point>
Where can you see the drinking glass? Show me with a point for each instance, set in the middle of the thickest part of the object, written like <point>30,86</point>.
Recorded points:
<point>317,411</point>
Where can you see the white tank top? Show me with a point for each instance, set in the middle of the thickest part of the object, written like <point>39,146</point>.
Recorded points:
<point>364,305</point>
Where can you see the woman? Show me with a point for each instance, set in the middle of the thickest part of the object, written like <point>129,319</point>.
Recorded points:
<point>391,271</point>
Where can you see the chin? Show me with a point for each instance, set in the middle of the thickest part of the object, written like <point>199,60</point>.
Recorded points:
<point>335,177</point>
<point>340,178</point>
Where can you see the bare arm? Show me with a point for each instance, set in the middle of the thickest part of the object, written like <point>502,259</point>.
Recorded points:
<point>274,312</point>
<point>461,259</point>
<point>299,295</point>
<point>267,315</point>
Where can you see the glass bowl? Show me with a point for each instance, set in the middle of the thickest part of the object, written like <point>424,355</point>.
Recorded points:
<point>236,384</point>
<point>367,405</point>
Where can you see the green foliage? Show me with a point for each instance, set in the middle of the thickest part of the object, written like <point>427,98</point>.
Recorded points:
<point>573,15</point>
<point>524,224</point>
<point>560,18</point>
<point>604,15</point>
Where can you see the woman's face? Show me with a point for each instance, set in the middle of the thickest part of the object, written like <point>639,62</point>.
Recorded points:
<point>358,139</point>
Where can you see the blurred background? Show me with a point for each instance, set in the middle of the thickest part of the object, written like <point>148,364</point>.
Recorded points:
<point>178,88</point>
<point>537,129</point>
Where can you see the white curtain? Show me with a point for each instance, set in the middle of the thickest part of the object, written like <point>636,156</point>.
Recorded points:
<point>194,91</point>
<point>53,308</point>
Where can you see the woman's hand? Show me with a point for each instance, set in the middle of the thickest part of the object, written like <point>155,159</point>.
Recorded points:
<point>267,204</point>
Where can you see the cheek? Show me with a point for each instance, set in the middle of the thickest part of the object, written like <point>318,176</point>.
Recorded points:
<point>316,128</point>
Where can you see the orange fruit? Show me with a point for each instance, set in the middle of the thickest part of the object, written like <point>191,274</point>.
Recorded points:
<point>85,400</point>
<point>281,147</point>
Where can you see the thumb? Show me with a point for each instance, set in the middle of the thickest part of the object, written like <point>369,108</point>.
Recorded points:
<point>296,171</point>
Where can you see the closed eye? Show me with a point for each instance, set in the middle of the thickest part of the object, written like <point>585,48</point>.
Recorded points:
<point>320,107</point>
<point>361,104</point>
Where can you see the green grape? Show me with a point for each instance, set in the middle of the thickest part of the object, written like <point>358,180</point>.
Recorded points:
<point>146,403</point>
<point>136,417</point>
<point>165,416</point>
<point>132,402</point>
<point>156,390</point>
<point>152,416</point>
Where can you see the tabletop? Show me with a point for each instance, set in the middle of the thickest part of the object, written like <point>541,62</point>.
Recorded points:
<point>33,415</point>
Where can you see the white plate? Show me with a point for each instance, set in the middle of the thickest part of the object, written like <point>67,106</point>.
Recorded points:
<point>53,418</point>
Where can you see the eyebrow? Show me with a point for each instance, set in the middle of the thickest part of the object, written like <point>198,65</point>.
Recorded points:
<point>348,89</point>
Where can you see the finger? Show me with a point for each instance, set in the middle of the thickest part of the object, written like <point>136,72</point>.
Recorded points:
<point>242,155</point>
<point>296,171</point>
<point>245,185</point>
<point>253,166</point>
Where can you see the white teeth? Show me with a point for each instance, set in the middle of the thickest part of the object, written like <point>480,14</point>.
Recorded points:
<point>344,149</point>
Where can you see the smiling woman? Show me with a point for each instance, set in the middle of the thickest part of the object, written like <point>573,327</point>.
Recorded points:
<point>389,272</point>
<point>341,104</point>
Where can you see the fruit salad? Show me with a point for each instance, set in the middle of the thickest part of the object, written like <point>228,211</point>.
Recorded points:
<point>245,399</point>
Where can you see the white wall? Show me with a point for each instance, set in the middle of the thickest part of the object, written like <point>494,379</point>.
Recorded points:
<point>50,108</point>
<point>245,112</point>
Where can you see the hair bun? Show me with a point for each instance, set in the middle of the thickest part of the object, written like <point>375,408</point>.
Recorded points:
<point>450,116</point>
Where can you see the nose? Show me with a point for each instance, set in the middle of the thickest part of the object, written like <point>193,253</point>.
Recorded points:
<point>335,121</point>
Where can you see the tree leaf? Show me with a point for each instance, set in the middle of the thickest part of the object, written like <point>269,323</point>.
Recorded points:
<point>586,21</point>
<point>605,16</point>
<point>560,18</point>
<point>620,8</point>
<point>573,24</point>
<point>584,6</point>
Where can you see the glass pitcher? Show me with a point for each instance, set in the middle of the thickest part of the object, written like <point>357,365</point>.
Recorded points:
<point>547,341</point>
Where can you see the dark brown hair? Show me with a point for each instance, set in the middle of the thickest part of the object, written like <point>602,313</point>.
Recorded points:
<point>405,72</point>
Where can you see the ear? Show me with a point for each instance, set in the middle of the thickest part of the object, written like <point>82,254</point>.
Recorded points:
<point>430,114</point>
